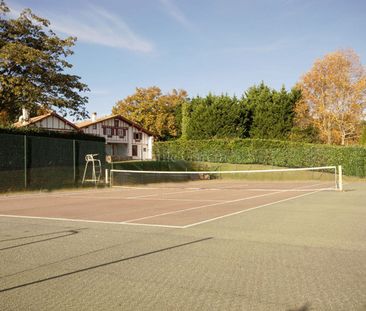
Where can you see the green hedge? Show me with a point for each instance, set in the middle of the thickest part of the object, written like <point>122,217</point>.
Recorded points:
<point>33,131</point>
<point>269,152</point>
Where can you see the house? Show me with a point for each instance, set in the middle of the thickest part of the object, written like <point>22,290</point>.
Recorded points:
<point>124,138</point>
<point>48,121</point>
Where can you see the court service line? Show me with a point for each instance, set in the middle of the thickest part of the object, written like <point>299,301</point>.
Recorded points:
<point>201,206</point>
<point>80,197</point>
<point>168,193</point>
<point>249,209</point>
<point>181,200</point>
<point>90,221</point>
<point>219,203</point>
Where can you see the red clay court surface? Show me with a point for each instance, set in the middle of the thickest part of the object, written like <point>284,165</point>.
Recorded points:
<point>176,207</point>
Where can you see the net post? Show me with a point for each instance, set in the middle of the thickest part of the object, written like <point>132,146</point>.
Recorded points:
<point>340,178</point>
<point>106,176</point>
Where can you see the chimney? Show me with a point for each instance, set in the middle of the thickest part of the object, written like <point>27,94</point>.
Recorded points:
<point>25,115</point>
<point>94,117</point>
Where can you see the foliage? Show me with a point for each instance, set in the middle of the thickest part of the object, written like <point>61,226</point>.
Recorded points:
<point>184,120</point>
<point>363,134</point>
<point>214,116</point>
<point>260,113</point>
<point>334,97</point>
<point>35,131</point>
<point>272,111</point>
<point>153,110</point>
<point>269,152</point>
<point>33,68</point>
<point>307,134</point>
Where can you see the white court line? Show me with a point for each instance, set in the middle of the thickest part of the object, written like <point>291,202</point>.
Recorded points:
<point>91,221</point>
<point>219,203</point>
<point>201,206</point>
<point>249,209</point>
<point>147,199</point>
<point>156,194</point>
<point>183,200</point>
<point>168,226</point>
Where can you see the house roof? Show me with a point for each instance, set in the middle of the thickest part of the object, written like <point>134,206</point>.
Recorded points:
<point>44,116</point>
<point>87,123</point>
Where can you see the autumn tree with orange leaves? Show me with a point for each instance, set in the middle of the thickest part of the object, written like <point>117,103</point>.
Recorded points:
<point>334,98</point>
<point>157,112</point>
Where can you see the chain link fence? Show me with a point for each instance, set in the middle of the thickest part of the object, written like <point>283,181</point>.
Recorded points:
<point>35,162</point>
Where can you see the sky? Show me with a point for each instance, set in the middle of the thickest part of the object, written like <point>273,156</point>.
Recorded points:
<point>201,46</point>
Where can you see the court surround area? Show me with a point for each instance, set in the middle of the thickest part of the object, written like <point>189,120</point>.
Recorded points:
<point>206,245</point>
<point>176,205</point>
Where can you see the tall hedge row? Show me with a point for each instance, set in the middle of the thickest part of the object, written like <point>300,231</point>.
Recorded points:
<point>260,151</point>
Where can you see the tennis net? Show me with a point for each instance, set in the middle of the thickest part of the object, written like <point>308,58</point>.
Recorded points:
<point>297,179</point>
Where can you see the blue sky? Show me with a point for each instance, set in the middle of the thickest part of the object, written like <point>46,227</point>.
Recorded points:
<point>201,46</point>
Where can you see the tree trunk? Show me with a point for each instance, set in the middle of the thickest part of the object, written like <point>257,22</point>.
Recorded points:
<point>329,133</point>
<point>343,138</point>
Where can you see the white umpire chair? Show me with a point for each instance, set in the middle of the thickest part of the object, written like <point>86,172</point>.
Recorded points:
<point>93,163</point>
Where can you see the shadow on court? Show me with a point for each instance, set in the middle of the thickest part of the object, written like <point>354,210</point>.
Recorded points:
<point>303,254</point>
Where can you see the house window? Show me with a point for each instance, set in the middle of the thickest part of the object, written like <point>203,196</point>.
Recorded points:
<point>137,136</point>
<point>108,132</point>
<point>121,132</point>
<point>94,126</point>
<point>116,123</point>
<point>134,150</point>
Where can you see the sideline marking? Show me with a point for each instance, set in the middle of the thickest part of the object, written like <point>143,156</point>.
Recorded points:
<point>91,221</point>
<point>226,202</point>
<point>171,226</point>
<point>202,206</point>
<point>249,209</point>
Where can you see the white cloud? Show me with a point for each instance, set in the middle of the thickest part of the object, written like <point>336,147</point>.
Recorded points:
<point>172,9</point>
<point>97,25</point>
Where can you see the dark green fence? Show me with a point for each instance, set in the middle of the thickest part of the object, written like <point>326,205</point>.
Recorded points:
<point>35,162</point>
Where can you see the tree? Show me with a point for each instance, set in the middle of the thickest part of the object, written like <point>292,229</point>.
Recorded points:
<point>215,117</point>
<point>156,112</point>
<point>334,97</point>
<point>363,134</point>
<point>272,111</point>
<point>33,68</point>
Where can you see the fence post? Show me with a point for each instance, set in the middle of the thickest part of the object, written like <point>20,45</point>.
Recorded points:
<point>25,163</point>
<point>74,158</point>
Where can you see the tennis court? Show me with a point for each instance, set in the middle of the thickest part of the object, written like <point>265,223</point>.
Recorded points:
<point>171,204</point>
<point>197,244</point>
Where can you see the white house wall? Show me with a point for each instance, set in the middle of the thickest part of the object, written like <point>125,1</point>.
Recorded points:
<point>53,123</point>
<point>144,143</point>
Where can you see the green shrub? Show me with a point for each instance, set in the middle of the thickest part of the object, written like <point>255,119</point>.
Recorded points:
<point>269,152</point>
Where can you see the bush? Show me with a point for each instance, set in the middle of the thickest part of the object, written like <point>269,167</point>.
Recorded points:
<point>269,152</point>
